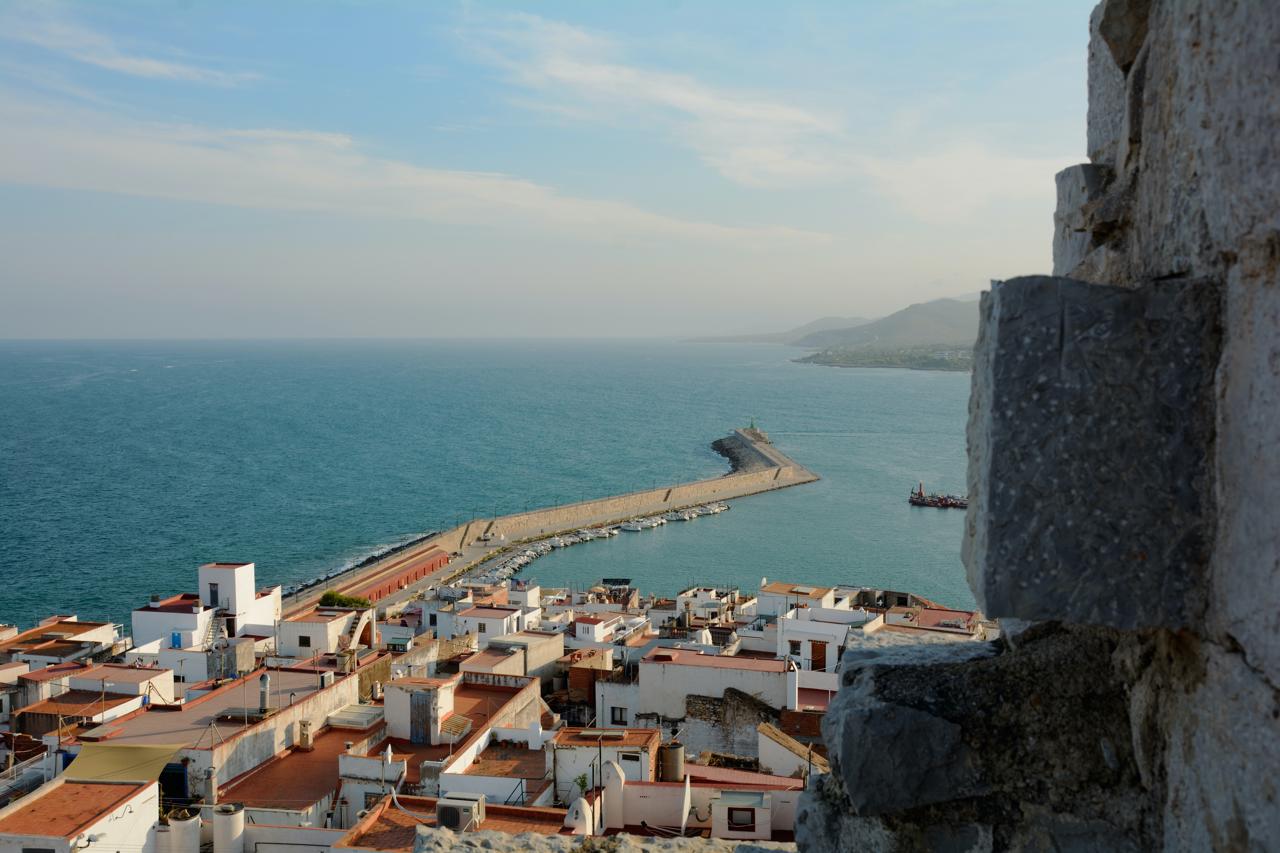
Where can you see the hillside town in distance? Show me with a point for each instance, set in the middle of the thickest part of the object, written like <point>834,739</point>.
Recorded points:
<point>225,719</point>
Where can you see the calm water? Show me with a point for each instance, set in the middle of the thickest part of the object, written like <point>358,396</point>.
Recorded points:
<point>125,465</point>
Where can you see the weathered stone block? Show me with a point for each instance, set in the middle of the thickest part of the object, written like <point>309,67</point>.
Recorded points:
<point>1072,239</point>
<point>979,746</point>
<point>1106,97</point>
<point>1123,25</point>
<point>1091,425</point>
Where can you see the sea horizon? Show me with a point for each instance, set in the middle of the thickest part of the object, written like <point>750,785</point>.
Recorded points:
<point>211,450</point>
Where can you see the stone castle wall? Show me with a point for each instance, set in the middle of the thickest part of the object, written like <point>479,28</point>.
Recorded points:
<point>1124,442</point>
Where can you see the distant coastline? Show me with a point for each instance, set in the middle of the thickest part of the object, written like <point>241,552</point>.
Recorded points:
<point>955,358</point>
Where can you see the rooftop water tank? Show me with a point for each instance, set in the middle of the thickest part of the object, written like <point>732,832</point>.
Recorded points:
<point>671,762</point>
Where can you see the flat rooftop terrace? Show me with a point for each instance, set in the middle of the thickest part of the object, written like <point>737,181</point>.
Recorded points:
<point>478,703</point>
<point>515,761</point>
<point>294,780</point>
<point>191,725</point>
<point>392,829</point>
<point>65,810</point>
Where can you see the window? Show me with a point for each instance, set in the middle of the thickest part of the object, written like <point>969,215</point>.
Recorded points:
<point>631,756</point>
<point>304,641</point>
<point>433,619</point>
<point>742,820</point>
<point>479,627</point>
<point>371,798</point>
<point>795,647</point>
<point>618,716</point>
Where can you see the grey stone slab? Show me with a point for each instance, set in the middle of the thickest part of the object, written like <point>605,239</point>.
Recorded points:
<point>1090,467</point>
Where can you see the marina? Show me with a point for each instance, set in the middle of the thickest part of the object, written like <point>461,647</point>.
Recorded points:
<point>485,546</point>
<point>503,566</point>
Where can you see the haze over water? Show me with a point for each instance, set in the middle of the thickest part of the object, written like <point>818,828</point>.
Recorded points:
<point>125,465</point>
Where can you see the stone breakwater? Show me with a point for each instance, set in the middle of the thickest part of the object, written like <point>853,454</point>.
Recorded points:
<point>756,466</point>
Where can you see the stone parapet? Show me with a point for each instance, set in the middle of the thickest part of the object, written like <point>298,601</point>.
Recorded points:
<point>1090,484</point>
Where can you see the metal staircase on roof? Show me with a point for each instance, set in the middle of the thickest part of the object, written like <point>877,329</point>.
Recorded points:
<point>217,627</point>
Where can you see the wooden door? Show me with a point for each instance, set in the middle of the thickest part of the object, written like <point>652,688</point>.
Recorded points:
<point>818,653</point>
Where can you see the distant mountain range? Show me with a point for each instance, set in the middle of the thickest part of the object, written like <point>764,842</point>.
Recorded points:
<point>791,336</point>
<point>942,321</point>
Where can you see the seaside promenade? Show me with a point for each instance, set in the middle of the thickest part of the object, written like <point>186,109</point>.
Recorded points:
<point>756,466</point>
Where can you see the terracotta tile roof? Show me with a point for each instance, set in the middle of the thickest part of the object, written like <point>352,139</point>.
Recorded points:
<point>63,811</point>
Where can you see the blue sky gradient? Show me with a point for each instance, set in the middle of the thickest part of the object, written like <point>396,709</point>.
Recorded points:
<point>464,169</point>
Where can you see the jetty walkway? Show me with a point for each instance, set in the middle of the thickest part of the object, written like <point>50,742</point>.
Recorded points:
<point>756,466</point>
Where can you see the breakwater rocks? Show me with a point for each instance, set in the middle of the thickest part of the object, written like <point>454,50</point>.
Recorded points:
<point>1124,486</point>
<point>743,450</point>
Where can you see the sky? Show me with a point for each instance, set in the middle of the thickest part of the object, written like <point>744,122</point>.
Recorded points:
<point>465,169</point>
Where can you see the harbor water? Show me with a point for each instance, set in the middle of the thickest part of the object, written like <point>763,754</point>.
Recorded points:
<point>125,465</point>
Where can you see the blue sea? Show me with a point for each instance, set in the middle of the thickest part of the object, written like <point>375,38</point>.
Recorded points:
<point>124,465</point>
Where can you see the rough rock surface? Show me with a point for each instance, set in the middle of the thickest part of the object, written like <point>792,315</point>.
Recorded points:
<point>1149,716</point>
<point>1094,398</point>
<point>1073,239</point>
<point>432,840</point>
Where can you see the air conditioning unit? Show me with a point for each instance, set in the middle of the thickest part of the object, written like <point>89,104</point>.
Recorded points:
<point>460,812</point>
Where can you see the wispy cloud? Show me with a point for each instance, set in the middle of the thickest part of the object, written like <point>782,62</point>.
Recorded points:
<point>760,140</point>
<point>956,182</point>
<point>47,27</point>
<point>750,138</point>
<point>314,171</point>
